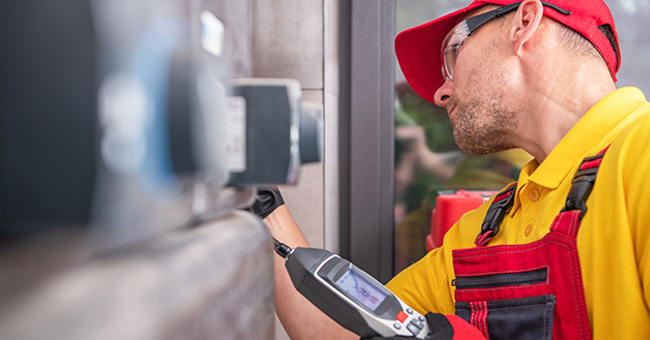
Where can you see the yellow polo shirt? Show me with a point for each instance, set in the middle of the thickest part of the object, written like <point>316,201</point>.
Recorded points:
<point>614,238</point>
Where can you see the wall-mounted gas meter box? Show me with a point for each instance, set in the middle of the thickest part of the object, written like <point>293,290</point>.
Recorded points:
<point>281,132</point>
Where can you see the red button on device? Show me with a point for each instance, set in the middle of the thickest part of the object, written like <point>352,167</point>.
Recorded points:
<point>402,316</point>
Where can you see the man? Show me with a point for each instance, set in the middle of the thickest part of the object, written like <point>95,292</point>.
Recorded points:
<point>538,76</point>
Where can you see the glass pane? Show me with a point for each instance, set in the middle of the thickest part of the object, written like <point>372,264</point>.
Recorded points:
<point>427,161</point>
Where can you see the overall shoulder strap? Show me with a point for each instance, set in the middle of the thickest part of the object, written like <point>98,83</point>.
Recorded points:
<point>568,221</point>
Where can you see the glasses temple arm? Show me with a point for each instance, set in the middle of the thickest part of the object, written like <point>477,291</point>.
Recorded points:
<point>477,21</point>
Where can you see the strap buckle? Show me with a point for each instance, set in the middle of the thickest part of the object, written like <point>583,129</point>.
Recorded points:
<point>495,214</point>
<point>582,184</point>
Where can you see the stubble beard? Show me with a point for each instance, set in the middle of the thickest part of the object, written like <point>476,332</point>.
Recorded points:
<point>482,126</point>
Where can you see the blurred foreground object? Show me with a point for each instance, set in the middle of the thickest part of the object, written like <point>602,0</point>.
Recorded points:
<point>214,282</point>
<point>121,141</point>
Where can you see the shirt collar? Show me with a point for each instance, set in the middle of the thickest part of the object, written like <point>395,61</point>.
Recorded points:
<point>592,130</point>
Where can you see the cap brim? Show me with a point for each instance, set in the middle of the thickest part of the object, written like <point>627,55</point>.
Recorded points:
<point>418,51</point>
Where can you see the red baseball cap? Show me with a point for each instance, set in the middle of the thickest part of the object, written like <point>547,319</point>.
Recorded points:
<point>418,49</point>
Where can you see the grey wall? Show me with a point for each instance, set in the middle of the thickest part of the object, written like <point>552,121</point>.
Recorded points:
<point>298,39</point>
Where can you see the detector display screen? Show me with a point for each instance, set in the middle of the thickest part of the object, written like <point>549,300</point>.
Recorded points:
<point>361,290</point>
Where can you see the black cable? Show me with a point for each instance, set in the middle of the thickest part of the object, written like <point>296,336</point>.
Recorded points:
<point>281,248</point>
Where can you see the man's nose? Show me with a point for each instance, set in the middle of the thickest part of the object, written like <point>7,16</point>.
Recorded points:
<point>443,94</point>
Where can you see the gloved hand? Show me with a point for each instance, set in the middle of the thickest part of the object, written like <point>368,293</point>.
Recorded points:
<point>446,327</point>
<point>267,200</point>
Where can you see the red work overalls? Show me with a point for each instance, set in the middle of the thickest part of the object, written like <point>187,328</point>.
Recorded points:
<point>528,291</point>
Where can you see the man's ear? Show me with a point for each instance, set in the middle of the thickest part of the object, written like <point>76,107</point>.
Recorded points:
<point>525,24</point>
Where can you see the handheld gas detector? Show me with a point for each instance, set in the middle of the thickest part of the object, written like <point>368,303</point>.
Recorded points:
<point>350,296</point>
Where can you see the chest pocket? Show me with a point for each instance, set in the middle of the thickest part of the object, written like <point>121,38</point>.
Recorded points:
<point>525,318</point>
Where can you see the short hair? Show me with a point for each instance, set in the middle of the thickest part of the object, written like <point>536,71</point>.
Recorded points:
<point>577,43</point>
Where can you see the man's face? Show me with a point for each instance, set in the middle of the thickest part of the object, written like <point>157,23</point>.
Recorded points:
<point>478,96</point>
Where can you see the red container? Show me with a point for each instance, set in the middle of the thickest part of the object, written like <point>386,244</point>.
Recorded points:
<point>449,208</point>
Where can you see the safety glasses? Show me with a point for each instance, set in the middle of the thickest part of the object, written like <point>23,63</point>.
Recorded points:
<point>455,38</point>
